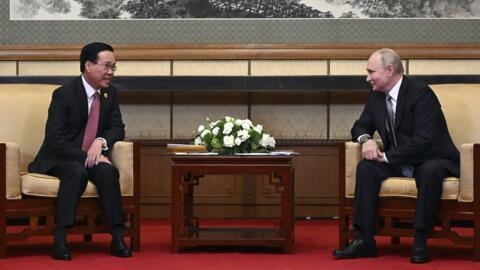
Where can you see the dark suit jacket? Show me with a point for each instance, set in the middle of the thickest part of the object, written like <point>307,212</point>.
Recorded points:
<point>67,119</point>
<point>420,126</point>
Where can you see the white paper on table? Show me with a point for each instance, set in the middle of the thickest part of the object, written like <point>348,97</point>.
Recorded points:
<point>274,153</point>
<point>251,154</point>
<point>196,153</point>
<point>284,153</point>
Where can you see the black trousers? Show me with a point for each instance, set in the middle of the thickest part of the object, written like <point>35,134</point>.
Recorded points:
<point>428,179</point>
<point>73,181</point>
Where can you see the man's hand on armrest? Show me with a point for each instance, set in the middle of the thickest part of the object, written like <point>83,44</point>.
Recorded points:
<point>370,150</point>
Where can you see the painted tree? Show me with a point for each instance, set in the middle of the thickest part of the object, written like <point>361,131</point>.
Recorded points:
<point>101,9</point>
<point>59,6</point>
<point>349,14</point>
<point>222,9</point>
<point>170,9</point>
<point>267,9</point>
<point>149,8</point>
<point>29,8</point>
<point>416,8</point>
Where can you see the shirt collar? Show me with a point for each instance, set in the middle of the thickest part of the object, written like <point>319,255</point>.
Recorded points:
<point>89,90</point>
<point>395,89</point>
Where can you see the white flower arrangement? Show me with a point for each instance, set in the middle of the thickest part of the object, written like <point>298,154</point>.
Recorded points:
<point>229,135</point>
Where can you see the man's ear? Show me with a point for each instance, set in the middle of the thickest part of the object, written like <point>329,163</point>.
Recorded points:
<point>88,65</point>
<point>390,70</point>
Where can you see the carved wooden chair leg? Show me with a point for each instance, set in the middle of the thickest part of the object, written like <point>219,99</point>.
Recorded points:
<point>392,224</point>
<point>132,224</point>
<point>135,239</point>
<point>3,240</point>
<point>343,241</point>
<point>135,243</point>
<point>476,239</point>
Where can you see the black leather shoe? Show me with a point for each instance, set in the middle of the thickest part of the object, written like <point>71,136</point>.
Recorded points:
<point>60,251</point>
<point>119,248</point>
<point>419,254</point>
<point>357,249</point>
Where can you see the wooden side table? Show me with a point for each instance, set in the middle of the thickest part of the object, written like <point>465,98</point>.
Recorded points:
<point>187,171</point>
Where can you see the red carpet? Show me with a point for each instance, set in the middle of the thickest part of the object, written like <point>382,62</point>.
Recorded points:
<point>315,241</point>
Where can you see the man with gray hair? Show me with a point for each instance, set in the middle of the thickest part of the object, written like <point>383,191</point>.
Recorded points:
<point>408,117</point>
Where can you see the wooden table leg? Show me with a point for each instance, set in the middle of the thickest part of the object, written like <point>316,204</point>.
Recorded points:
<point>287,210</point>
<point>176,211</point>
<point>187,207</point>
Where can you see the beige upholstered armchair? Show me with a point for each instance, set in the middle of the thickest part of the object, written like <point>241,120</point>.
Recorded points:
<point>460,205</point>
<point>29,199</point>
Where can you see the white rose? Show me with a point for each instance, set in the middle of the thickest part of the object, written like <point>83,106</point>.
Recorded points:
<point>271,142</point>
<point>246,125</point>
<point>228,118</point>
<point>263,140</point>
<point>198,141</point>
<point>215,130</point>
<point>267,140</point>
<point>227,128</point>
<point>239,122</point>
<point>213,124</point>
<point>238,141</point>
<point>243,135</point>
<point>258,128</point>
<point>200,128</point>
<point>228,141</point>
<point>204,132</point>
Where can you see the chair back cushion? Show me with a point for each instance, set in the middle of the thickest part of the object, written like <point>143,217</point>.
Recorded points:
<point>23,114</point>
<point>460,104</point>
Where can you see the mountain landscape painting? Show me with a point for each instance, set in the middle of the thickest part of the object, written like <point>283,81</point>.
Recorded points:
<point>244,9</point>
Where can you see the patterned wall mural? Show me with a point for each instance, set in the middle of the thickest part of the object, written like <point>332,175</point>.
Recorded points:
<point>198,9</point>
<point>63,22</point>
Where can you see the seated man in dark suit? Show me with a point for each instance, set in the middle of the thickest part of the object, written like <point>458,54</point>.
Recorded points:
<point>84,122</point>
<point>407,115</point>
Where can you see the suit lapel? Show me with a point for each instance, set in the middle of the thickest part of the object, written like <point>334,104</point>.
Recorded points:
<point>104,99</point>
<point>382,108</point>
<point>82,100</point>
<point>402,93</point>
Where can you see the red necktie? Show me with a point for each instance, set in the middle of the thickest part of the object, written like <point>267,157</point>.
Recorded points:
<point>92,123</point>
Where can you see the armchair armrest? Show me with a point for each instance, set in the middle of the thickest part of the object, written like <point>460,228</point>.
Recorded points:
<point>466,172</point>
<point>122,159</point>
<point>12,170</point>
<point>353,155</point>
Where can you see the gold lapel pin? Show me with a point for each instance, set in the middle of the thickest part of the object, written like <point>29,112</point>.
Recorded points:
<point>105,95</point>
